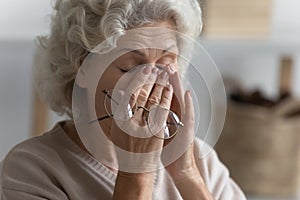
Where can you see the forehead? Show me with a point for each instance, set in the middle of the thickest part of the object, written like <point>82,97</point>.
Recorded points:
<point>148,38</point>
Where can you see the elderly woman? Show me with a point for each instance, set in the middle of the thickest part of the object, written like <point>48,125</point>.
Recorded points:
<point>63,163</point>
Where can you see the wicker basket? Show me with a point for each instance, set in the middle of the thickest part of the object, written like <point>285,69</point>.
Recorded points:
<point>261,147</point>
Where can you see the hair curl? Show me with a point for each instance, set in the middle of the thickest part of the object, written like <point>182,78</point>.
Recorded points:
<point>78,26</point>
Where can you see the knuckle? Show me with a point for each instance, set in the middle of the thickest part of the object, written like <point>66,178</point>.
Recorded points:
<point>143,95</point>
<point>166,97</point>
<point>154,100</point>
<point>165,100</point>
<point>159,87</point>
<point>160,83</point>
<point>133,97</point>
<point>168,93</point>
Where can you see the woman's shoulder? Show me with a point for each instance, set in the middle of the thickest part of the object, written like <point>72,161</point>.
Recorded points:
<point>38,152</point>
<point>35,165</point>
<point>43,145</point>
<point>51,165</point>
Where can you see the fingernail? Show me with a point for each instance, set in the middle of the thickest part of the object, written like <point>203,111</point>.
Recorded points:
<point>147,70</point>
<point>154,70</point>
<point>164,75</point>
<point>170,87</point>
<point>189,94</point>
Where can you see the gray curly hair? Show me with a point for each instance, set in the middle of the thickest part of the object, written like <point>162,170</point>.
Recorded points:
<point>78,26</point>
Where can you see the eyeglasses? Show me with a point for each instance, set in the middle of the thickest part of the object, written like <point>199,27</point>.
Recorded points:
<point>152,117</point>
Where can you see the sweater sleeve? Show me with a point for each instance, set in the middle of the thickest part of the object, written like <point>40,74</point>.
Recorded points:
<point>25,176</point>
<point>216,175</point>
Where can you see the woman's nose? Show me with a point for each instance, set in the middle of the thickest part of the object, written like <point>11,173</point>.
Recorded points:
<point>165,67</point>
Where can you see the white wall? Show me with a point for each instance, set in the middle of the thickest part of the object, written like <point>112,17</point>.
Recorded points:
<point>21,21</point>
<point>286,16</point>
<point>15,93</point>
<point>256,65</point>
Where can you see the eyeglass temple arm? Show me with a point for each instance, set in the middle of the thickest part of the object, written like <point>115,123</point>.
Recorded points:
<point>106,92</point>
<point>99,119</point>
<point>178,124</point>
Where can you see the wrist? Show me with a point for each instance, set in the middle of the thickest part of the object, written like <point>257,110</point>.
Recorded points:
<point>191,175</point>
<point>133,186</point>
<point>191,185</point>
<point>135,175</point>
<point>136,178</point>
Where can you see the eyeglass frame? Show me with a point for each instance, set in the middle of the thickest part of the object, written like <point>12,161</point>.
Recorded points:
<point>108,93</point>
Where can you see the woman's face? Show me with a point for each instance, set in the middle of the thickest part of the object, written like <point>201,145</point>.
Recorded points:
<point>120,66</point>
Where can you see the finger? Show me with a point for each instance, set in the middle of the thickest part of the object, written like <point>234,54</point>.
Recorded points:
<point>171,68</point>
<point>166,103</point>
<point>156,95</point>
<point>130,96</point>
<point>166,98</point>
<point>177,105</point>
<point>142,97</point>
<point>144,92</point>
<point>178,100</point>
<point>158,117</point>
<point>175,80</point>
<point>189,115</point>
<point>185,134</point>
<point>133,90</point>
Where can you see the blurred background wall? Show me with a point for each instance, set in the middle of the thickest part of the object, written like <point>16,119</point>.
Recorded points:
<point>20,22</point>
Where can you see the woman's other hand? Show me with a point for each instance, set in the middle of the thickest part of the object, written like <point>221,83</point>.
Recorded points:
<point>184,170</point>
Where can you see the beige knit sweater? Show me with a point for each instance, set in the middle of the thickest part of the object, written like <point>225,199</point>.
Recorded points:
<point>53,167</point>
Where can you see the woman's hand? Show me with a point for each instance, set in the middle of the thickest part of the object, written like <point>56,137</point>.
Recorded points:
<point>185,165</point>
<point>148,89</point>
<point>184,170</point>
<point>138,151</point>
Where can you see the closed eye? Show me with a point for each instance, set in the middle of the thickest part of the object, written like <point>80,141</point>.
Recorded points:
<point>130,68</point>
<point>124,70</point>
